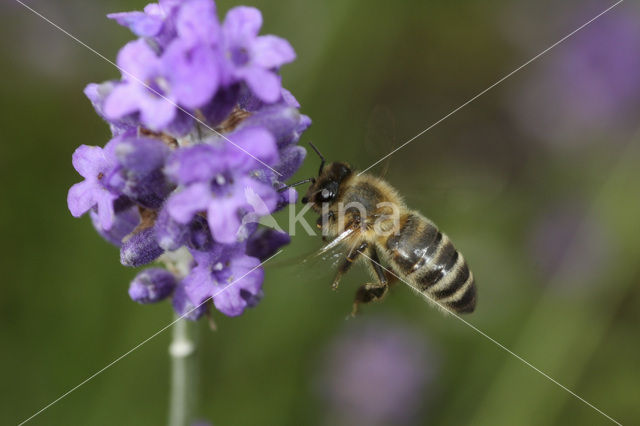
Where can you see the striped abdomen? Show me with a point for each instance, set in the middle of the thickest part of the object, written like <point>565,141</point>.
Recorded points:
<point>429,262</point>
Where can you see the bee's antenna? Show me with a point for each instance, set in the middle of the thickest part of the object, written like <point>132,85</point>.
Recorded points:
<point>322,160</point>
<point>291,185</point>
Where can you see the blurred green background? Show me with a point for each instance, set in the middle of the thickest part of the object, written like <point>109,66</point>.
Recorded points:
<point>536,182</point>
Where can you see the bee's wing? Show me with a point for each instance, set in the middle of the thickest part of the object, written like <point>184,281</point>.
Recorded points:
<point>319,261</point>
<point>380,137</point>
<point>336,242</point>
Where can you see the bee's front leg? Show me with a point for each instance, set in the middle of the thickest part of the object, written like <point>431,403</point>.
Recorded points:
<point>324,222</point>
<point>347,262</point>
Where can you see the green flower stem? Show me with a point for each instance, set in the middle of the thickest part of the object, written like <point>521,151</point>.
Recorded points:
<point>184,374</point>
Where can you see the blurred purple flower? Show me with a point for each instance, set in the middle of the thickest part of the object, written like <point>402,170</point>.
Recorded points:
<point>169,189</point>
<point>567,244</point>
<point>377,373</point>
<point>589,89</point>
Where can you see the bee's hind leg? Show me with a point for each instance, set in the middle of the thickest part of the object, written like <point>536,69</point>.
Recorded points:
<point>371,292</point>
<point>367,293</point>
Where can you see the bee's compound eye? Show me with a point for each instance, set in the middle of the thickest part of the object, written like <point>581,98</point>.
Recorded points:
<point>325,194</point>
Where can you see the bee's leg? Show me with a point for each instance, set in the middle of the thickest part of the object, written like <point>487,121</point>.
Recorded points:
<point>371,292</point>
<point>323,222</point>
<point>347,262</point>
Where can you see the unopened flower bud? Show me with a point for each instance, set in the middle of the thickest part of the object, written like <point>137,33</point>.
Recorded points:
<point>152,285</point>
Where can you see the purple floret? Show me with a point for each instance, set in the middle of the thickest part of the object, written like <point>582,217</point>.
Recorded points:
<point>224,189</point>
<point>157,87</point>
<point>232,279</point>
<point>94,164</point>
<point>253,58</point>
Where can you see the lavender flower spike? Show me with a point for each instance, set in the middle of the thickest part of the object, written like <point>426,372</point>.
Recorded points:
<point>168,189</point>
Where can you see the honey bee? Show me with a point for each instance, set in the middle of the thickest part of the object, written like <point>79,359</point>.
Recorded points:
<point>368,219</point>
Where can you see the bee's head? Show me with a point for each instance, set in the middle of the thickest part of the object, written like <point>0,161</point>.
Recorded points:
<point>325,187</point>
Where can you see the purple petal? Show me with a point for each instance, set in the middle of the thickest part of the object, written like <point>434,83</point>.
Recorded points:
<point>197,22</point>
<point>265,242</point>
<point>140,23</point>
<point>183,306</point>
<point>193,73</point>
<point>189,201</point>
<point>304,124</point>
<point>255,142</point>
<point>265,84</point>
<point>248,196</point>
<point>137,61</point>
<point>221,105</point>
<point>289,196</point>
<point>289,99</point>
<point>141,155</point>
<point>233,298</point>
<point>171,235</point>
<point>224,218</point>
<point>200,235</point>
<point>125,222</point>
<point>181,125</point>
<point>123,100</point>
<point>168,5</point>
<point>285,123</point>
<point>106,212</point>
<point>89,161</point>
<point>81,197</point>
<point>248,100</point>
<point>198,163</point>
<point>259,197</point>
<point>242,23</point>
<point>97,94</point>
<point>270,51</point>
<point>199,285</point>
<point>156,112</point>
<point>291,159</point>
